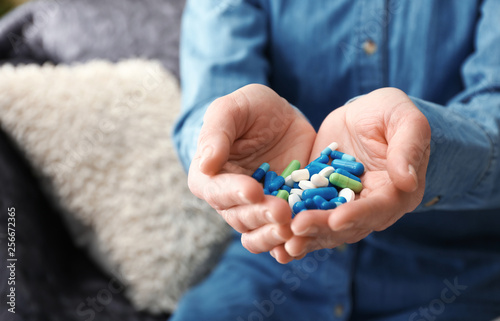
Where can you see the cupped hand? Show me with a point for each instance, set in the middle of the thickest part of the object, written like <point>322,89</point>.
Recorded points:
<point>241,131</point>
<point>387,133</point>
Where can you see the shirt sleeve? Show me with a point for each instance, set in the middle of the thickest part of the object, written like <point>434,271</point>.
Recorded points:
<point>464,171</point>
<point>223,47</point>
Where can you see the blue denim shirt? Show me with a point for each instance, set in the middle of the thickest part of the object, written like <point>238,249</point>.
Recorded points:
<point>318,54</point>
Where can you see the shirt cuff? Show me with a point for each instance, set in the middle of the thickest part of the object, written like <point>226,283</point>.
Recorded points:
<point>460,159</point>
<point>185,135</point>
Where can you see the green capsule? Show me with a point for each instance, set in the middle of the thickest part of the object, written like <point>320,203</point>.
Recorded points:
<point>345,182</point>
<point>293,166</point>
<point>283,194</point>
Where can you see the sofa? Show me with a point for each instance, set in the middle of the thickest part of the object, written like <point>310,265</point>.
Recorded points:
<point>105,226</point>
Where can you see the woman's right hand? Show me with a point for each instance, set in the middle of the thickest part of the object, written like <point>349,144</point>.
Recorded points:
<point>241,131</point>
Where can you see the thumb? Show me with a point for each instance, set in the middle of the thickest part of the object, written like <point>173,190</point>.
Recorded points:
<point>407,145</point>
<point>219,131</point>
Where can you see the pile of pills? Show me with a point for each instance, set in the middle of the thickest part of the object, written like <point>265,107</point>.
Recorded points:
<point>327,182</point>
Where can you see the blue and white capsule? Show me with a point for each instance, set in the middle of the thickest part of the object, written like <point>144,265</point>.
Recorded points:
<point>328,150</point>
<point>270,176</point>
<point>261,172</point>
<point>276,184</point>
<point>335,154</point>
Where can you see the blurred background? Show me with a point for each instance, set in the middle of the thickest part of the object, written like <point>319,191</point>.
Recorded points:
<point>106,227</point>
<point>7,5</point>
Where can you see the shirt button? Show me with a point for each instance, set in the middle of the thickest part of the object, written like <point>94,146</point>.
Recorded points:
<point>369,47</point>
<point>342,247</point>
<point>339,310</point>
<point>433,201</point>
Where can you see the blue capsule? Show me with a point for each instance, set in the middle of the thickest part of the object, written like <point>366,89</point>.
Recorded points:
<point>276,184</point>
<point>299,207</point>
<point>324,159</point>
<point>340,199</point>
<point>270,176</point>
<point>352,167</point>
<point>310,205</point>
<point>286,188</point>
<point>329,205</point>
<point>318,200</point>
<point>266,191</point>
<point>346,173</point>
<point>261,172</point>
<point>326,192</point>
<point>315,167</point>
<point>274,193</point>
<point>335,154</point>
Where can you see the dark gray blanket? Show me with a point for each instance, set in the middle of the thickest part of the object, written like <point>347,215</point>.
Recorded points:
<point>54,279</point>
<point>68,31</point>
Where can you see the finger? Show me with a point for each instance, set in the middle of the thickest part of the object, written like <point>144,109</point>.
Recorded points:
<point>245,218</point>
<point>310,222</point>
<point>280,254</point>
<point>408,138</point>
<point>265,238</point>
<point>378,211</point>
<point>298,246</point>
<point>225,190</point>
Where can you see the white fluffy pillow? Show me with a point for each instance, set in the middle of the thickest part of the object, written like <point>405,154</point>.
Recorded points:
<point>98,135</point>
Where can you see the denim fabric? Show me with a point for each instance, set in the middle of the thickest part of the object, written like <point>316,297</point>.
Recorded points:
<point>441,262</point>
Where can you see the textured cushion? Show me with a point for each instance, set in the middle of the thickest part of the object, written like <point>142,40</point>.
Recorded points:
<point>98,137</point>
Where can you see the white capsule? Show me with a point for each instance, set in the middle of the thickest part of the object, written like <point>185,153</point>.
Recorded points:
<point>297,191</point>
<point>306,185</point>
<point>348,194</point>
<point>292,199</point>
<point>333,146</point>
<point>319,181</point>
<point>289,181</point>
<point>327,171</point>
<point>300,175</point>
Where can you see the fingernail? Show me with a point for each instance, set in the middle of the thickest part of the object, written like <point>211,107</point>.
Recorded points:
<point>272,253</point>
<point>413,174</point>
<point>243,198</point>
<point>289,250</point>
<point>346,226</point>
<point>278,237</point>
<point>270,217</point>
